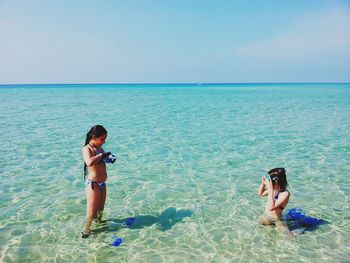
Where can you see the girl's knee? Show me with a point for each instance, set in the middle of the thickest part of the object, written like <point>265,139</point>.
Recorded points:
<point>267,221</point>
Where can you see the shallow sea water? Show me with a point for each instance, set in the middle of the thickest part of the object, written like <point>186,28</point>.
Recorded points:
<point>189,162</point>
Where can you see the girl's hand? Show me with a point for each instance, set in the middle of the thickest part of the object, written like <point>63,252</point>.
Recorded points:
<point>262,188</point>
<point>269,184</point>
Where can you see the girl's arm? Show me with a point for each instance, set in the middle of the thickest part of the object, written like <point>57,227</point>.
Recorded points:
<point>270,200</point>
<point>272,205</point>
<point>89,159</point>
<point>262,191</point>
<point>281,199</point>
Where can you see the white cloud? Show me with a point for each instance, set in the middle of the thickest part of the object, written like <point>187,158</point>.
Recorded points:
<point>325,34</point>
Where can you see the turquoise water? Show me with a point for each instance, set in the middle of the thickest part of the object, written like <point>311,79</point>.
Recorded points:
<point>190,160</point>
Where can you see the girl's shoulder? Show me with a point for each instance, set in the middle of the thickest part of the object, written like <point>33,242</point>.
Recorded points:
<point>285,193</point>
<point>87,148</point>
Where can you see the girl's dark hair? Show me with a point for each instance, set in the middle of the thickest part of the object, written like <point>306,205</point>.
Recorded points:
<point>98,131</point>
<point>278,175</point>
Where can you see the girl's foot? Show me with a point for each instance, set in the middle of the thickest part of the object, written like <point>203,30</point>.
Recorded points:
<point>85,234</point>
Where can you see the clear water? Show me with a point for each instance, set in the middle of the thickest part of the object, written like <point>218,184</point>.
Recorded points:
<point>190,160</point>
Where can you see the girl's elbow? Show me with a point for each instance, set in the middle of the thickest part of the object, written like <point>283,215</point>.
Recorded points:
<point>88,164</point>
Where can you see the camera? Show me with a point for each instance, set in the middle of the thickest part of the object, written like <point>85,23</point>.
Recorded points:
<point>110,158</point>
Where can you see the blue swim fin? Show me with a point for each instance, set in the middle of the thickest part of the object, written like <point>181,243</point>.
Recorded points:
<point>117,241</point>
<point>298,216</point>
<point>128,222</point>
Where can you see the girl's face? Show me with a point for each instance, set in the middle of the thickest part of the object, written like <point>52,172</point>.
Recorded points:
<point>276,186</point>
<point>98,141</point>
<point>275,182</point>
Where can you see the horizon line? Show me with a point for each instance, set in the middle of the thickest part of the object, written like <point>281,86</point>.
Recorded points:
<point>170,83</point>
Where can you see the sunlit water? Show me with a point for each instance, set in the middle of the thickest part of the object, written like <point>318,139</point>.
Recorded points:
<point>190,161</point>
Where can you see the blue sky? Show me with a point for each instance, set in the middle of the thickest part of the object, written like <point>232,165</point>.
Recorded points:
<point>172,41</point>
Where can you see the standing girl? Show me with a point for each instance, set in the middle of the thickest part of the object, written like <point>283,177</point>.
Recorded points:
<point>95,183</point>
<point>274,186</point>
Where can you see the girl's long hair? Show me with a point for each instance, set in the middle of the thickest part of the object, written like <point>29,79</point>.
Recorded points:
<point>278,175</point>
<point>98,131</point>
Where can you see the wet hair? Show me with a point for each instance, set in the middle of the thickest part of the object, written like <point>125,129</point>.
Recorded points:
<point>97,131</point>
<point>278,175</point>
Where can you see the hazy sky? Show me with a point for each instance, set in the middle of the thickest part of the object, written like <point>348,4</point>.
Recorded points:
<point>139,41</point>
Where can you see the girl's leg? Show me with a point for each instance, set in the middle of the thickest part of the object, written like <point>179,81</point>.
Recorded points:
<point>102,203</point>
<point>283,227</point>
<point>92,206</point>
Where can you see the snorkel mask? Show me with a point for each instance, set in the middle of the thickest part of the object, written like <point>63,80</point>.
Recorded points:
<point>274,179</point>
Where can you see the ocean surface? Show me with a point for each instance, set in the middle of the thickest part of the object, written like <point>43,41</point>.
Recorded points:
<point>189,163</point>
